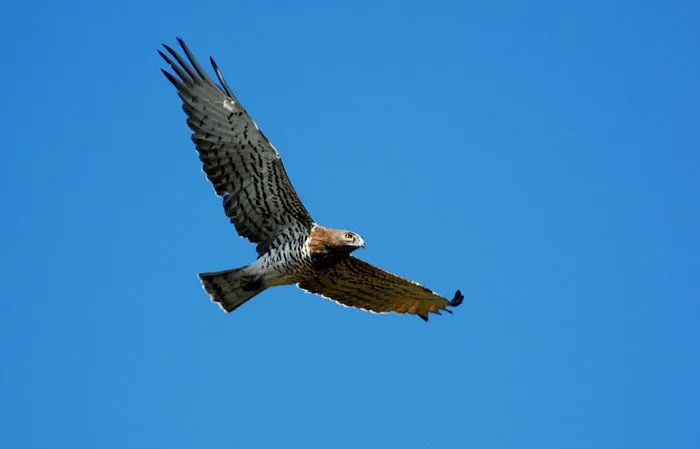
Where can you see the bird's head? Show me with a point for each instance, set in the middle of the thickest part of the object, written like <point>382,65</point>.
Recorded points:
<point>347,241</point>
<point>325,243</point>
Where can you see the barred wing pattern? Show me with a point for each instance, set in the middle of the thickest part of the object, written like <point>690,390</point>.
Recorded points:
<point>356,283</point>
<point>243,166</point>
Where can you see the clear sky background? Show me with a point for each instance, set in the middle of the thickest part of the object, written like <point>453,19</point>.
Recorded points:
<point>544,158</point>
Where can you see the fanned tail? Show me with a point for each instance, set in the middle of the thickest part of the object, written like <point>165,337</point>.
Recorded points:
<point>231,288</point>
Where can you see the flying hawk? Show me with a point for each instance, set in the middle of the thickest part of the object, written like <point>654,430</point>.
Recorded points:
<point>247,173</point>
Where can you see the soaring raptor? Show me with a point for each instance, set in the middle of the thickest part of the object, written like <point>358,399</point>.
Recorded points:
<point>247,173</point>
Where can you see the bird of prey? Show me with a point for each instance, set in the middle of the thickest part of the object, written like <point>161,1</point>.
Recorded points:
<point>258,198</point>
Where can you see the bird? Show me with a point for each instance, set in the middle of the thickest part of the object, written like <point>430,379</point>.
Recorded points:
<point>247,173</point>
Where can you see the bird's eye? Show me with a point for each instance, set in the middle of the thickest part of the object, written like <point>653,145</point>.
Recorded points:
<point>348,236</point>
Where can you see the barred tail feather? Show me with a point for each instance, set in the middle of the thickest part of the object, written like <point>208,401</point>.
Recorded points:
<point>230,288</point>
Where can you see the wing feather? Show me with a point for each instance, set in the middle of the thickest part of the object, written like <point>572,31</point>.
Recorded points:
<point>355,283</point>
<point>242,165</point>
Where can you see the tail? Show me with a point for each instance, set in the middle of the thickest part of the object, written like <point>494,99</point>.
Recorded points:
<point>231,288</point>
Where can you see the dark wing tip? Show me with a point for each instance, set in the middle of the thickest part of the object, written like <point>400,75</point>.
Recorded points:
<point>169,48</point>
<point>457,300</point>
<point>220,77</point>
<point>172,79</point>
<point>213,63</point>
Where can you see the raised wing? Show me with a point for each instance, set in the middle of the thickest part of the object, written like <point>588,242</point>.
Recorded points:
<point>243,166</point>
<point>356,283</point>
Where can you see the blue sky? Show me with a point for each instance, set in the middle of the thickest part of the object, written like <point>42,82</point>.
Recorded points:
<point>543,158</point>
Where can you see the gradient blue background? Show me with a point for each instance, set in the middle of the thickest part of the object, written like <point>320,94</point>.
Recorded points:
<point>542,158</point>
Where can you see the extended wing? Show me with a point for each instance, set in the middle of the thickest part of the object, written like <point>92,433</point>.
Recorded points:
<point>243,166</point>
<point>356,283</point>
